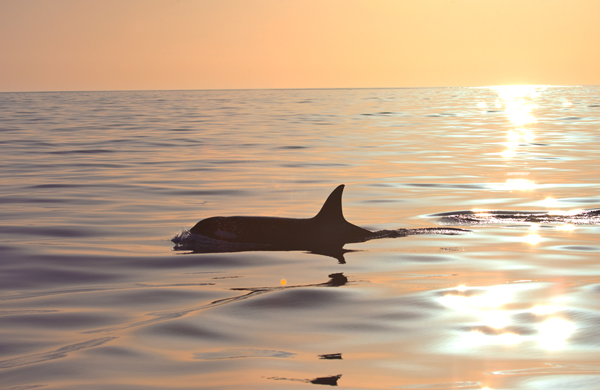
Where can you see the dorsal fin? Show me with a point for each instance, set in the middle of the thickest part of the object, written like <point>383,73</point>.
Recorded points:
<point>332,208</point>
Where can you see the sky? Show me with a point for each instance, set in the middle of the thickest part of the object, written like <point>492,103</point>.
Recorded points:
<point>71,45</point>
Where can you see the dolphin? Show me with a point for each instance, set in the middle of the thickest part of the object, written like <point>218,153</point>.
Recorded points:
<point>326,233</point>
<point>327,229</point>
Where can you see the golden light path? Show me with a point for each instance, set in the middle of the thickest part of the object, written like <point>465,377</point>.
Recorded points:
<point>518,101</point>
<point>552,331</point>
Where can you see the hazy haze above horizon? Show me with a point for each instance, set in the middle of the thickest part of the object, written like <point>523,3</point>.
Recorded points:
<point>229,44</point>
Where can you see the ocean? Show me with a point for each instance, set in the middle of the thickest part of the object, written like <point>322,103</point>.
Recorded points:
<point>94,294</point>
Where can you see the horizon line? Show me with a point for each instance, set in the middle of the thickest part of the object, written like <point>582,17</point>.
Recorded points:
<point>293,89</point>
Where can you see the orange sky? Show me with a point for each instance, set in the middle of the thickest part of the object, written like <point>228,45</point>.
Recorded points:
<point>203,44</point>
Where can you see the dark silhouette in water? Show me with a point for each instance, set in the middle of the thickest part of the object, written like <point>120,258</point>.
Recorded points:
<point>325,234</point>
<point>328,380</point>
<point>328,228</point>
<point>325,380</point>
<point>331,356</point>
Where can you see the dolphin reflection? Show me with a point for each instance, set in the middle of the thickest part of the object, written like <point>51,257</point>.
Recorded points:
<point>324,234</point>
<point>324,380</point>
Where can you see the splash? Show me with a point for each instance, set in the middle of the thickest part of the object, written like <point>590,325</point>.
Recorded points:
<point>188,241</point>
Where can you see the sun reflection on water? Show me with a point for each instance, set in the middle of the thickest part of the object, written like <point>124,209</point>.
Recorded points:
<point>550,202</point>
<point>552,331</point>
<point>565,213</point>
<point>484,305</point>
<point>566,227</point>
<point>482,212</point>
<point>532,238</point>
<point>496,319</point>
<point>510,338</point>
<point>541,310</point>
<point>519,185</point>
<point>474,338</point>
<point>518,101</point>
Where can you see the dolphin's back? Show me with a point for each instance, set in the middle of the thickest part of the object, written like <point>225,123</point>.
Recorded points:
<point>255,230</point>
<point>327,228</point>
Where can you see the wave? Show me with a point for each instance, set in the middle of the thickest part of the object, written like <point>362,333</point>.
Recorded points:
<point>488,217</point>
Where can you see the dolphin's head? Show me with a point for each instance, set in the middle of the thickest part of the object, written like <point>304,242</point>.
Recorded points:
<point>214,227</point>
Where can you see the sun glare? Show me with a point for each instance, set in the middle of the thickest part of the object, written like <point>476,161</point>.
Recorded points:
<point>566,227</point>
<point>549,202</point>
<point>541,310</point>
<point>508,153</point>
<point>519,184</point>
<point>489,308</point>
<point>510,338</point>
<point>554,332</point>
<point>534,227</point>
<point>496,319</point>
<point>474,338</point>
<point>532,239</point>
<point>565,213</point>
<point>518,103</point>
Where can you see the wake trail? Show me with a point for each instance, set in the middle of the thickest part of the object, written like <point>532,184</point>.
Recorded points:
<point>574,217</point>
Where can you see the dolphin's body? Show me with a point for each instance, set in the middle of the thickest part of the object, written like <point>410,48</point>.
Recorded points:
<point>328,229</point>
<point>326,233</point>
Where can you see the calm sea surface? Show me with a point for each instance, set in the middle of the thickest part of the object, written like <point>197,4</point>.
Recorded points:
<point>93,186</point>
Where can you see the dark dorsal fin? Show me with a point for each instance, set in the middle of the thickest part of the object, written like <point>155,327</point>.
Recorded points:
<point>332,208</point>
